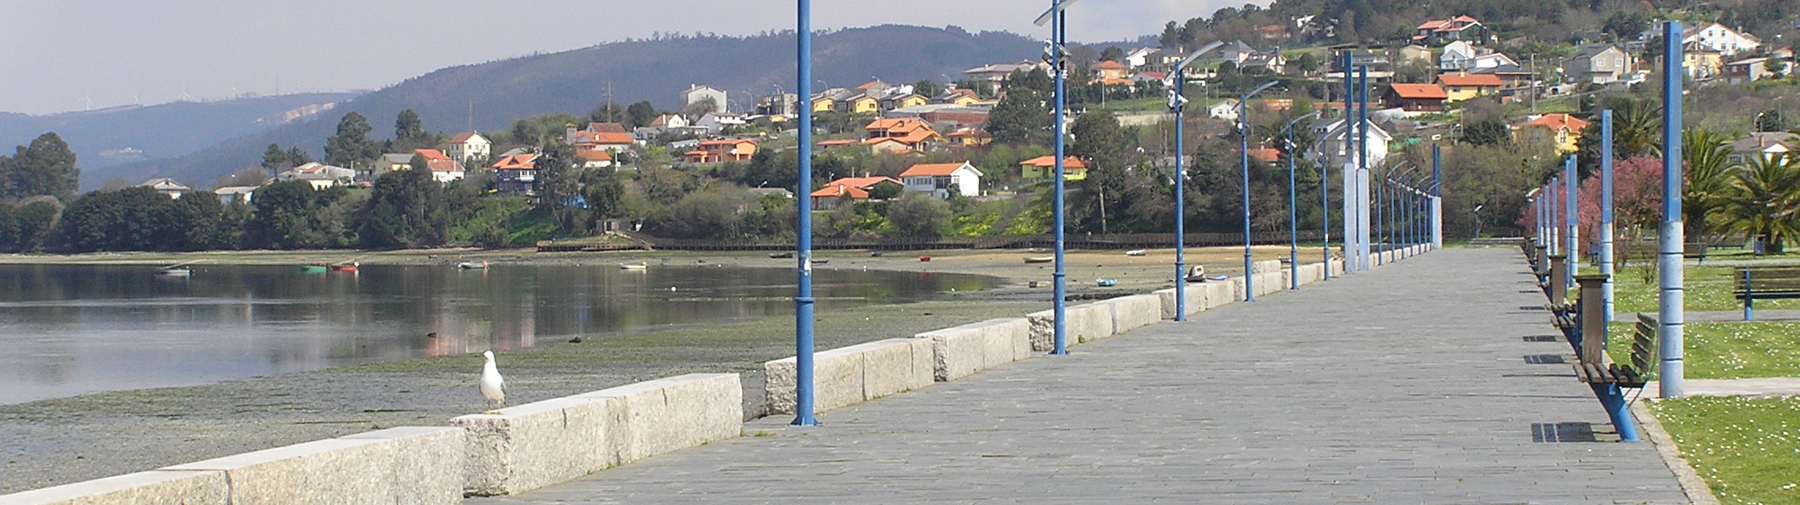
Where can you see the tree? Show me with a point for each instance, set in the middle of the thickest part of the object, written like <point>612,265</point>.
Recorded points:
<point>1022,117</point>
<point>1764,203</point>
<point>351,143</point>
<point>408,126</point>
<point>1112,53</point>
<point>918,214</point>
<point>1770,120</point>
<point>640,114</point>
<point>275,159</point>
<point>1626,23</point>
<point>45,167</point>
<point>926,88</point>
<point>405,209</point>
<point>1487,132</point>
<point>608,112</point>
<point>527,132</point>
<point>1709,179</point>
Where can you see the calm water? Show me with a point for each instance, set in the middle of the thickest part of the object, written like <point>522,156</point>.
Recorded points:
<point>74,329</point>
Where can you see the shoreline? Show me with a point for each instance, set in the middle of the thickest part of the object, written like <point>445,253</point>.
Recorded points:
<point>64,440</point>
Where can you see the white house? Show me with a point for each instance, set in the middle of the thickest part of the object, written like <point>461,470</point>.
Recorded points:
<point>1456,55</point>
<point>167,186</point>
<point>697,93</point>
<point>1332,149</point>
<point>715,122</point>
<point>1140,56</point>
<point>1226,109</point>
<point>320,175</point>
<point>1717,37</point>
<point>235,194</point>
<point>940,179</point>
<point>469,146</point>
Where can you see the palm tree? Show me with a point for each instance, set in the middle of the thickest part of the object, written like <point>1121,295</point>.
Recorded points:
<point>1708,179</point>
<point>1762,201</point>
<point>1636,131</point>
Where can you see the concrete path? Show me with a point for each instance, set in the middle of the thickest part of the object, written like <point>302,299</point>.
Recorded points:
<point>1764,387</point>
<point>1420,382</point>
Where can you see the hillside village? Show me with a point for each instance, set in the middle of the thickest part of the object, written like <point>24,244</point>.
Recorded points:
<point>970,157</point>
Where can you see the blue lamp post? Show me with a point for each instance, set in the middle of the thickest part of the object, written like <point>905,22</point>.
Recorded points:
<point>1058,25</point>
<point>1176,101</point>
<point>803,300</point>
<point>1293,206</point>
<point>1325,215</point>
<point>1244,152</point>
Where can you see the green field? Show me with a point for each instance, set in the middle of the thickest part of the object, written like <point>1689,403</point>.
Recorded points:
<point>1727,350</point>
<point>1747,450</point>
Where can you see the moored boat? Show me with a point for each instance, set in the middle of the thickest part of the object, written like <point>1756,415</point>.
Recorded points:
<point>345,267</point>
<point>175,271</point>
<point>641,265</point>
<point>314,269</point>
<point>473,265</point>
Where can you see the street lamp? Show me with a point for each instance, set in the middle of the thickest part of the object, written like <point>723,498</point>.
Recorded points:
<point>1293,215</point>
<point>1244,154</point>
<point>1478,221</point>
<point>803,298</point>
<point>1057,37</point>
<point>1176,101</point>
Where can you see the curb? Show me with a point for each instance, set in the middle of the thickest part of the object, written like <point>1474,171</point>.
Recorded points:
<point>1685,476</point>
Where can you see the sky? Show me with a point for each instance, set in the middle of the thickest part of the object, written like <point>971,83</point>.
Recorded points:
<point>71,55</point>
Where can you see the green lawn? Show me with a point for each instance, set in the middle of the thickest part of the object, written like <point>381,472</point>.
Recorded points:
<point>1705,288</point>
<point>1727,350</point>
<point>1748,450</point>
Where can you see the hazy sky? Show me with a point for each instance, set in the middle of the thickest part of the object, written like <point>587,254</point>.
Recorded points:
<point>62,55</point>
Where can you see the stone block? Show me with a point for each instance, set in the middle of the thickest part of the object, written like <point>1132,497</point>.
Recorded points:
<point>157,487</point>
<point>373,469</point>
<point>837,381</point>
<point>534,445</point>
<point>966,349</point>
<point>1136,311</point>
<point>1265,266</point>
<point>1269,282</point>
<point>666,415</point>
<point>1219,293</point>
<point>1082,323</point>
<point>894,365</point>
<point>1196,299</point>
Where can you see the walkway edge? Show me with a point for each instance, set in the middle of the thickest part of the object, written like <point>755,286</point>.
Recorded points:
<point>1691,483</point>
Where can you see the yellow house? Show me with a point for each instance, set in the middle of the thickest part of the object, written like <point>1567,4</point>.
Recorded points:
<point>1559,130</point>
<point>913,100</point>
<point>1043,167</point>
<point>823,104</point>
<point>1460,86</point>
<point>864,105</point>
<point>971,137</point>
<point>1702,62</point>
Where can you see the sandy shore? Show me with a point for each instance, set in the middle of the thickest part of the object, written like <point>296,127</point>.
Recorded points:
<point>58,441</point>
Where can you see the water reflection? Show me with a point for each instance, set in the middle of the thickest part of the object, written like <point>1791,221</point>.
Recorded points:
<point>73,329</point>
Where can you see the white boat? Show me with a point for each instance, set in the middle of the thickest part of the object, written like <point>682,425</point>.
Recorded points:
<point>641,265</point>
<point>473,265</point>
<point>1136,252</point>
<point>176,271</point>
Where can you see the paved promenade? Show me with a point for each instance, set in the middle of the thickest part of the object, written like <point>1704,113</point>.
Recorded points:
<point>1414,383</point>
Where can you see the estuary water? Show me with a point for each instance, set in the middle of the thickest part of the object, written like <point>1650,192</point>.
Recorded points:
<point>68,330</point>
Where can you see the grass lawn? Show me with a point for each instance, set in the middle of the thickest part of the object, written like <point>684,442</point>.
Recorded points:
<point>1706,288</point>
<point>1727,350</point>
<point>1748,450</point>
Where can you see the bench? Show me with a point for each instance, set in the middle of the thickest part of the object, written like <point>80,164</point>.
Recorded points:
<point>1767,283</point>
<point>1600,369</point>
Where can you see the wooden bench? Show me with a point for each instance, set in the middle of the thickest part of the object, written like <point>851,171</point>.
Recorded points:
<point>1767,283</point>
<point>1598,368</point>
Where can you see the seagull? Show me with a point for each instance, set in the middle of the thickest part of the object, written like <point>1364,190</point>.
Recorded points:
<point>492,386</point>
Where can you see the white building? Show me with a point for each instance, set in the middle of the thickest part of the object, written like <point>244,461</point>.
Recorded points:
<point>167,186</point>
<point>320,175</point>
<point>940,179</point>
<point>468,146</point>
<point>1226,109</point>
<point>1332,149</point>
<point>697,93</point>
<point>715,122</point>
<point>1717,37</point>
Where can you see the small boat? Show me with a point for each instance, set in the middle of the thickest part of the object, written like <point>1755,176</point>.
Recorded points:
<point>473,265</point>
<point>780,255</point>
<point>314,269</point>
<point>345,267</point>
<point>925,259</point>
<point>1106,283</point>
<point>821,261</point>
<point>641,265</point>
<point>1136,252</point>
<point>1039,259</point>
<point>1196,274</point>
<point>176,271</point>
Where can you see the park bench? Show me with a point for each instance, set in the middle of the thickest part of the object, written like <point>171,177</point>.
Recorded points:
<point>1767,283</point>
<point>1596,367</point>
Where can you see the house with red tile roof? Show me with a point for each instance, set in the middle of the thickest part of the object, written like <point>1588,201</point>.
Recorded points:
<point>900,135</point>
<point>515,174</point>
<point>721,150</point>
<point>1044,167</point>
<point>1461,86</point>
<point>1415,97</point>
<point>469,147</point>
<point>943,179</point>
<point>1449,30</point>
<point>443,168</point>
<point>849,189</point>
<point>1560,130</point>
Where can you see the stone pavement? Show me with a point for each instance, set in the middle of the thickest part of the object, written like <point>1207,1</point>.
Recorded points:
<point>1419,382</point>
<point>1761,387</point>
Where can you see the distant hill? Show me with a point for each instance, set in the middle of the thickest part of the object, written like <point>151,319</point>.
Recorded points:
<point>117,135</point>
<point>575,81</point>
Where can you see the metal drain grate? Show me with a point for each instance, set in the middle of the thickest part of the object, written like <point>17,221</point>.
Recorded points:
<point>1534,307</point>
<point>1556,433</point>
<point>1541,338</point>
<point>1544,359</point>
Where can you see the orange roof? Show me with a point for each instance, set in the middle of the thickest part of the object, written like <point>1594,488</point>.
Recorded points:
<point>1116,81</point>
<point>861,182</point>
<point>726,142</point>
<point>1420,91</point>
<point>842,192</point>
<point>924,169</point>
<point>606,128</point>
<point>609,138</point>
<point>1266,154</point>
<point>525,161</point>
<point>1110,65</point>
<point>462,137</point>
<point>593,155</point>
<point>431,154</point>
<point>897,124</point>
<point>870,84</point>
<point>1050,161</point>
<point>1559,121</point>
<point>1470,80</point>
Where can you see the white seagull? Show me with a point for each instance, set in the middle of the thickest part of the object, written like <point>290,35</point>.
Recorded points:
<point>492,386</point>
